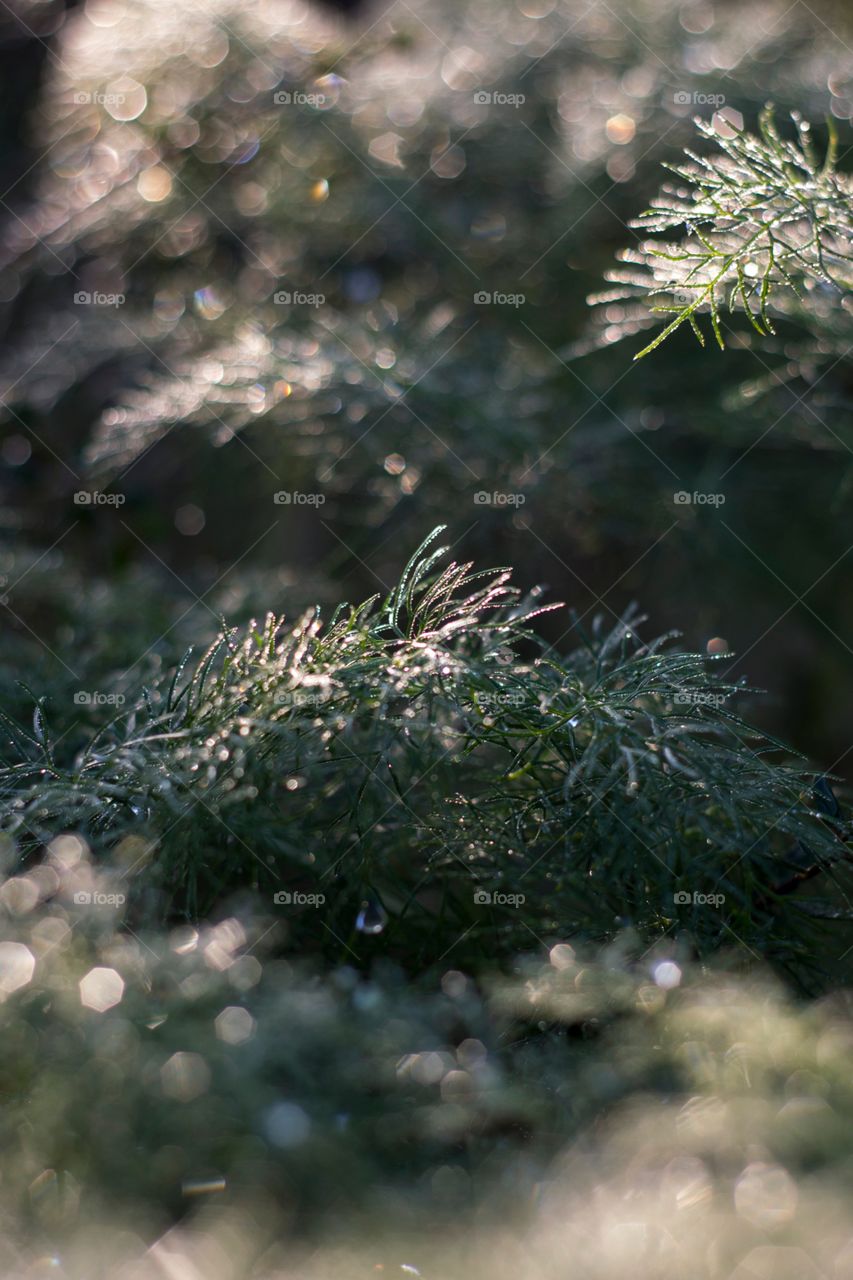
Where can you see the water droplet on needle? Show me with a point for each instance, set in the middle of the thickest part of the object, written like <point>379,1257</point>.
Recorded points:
<point>372,918</point>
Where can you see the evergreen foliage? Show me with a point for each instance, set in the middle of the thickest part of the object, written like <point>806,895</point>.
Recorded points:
<point>766,217</point>
<point>424,750</point>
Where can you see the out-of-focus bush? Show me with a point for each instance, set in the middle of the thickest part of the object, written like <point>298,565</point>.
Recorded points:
<point>188,1103</point>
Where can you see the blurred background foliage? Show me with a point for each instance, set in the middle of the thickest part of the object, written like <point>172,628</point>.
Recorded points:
<point>180,183</point>
<point>188,1103</point>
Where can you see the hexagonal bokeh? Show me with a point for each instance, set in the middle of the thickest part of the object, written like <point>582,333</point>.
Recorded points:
<point>17,965</point>
<point>234,1025</point>
<point>101,989</point>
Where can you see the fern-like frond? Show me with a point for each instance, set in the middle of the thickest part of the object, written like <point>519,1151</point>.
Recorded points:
<point>426,748</point>
<point>764,221</point>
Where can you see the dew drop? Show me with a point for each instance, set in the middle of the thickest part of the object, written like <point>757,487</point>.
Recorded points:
<point>372,918</point>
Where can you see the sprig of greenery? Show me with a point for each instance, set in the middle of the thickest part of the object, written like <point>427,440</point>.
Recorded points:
<point>765,216</point>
